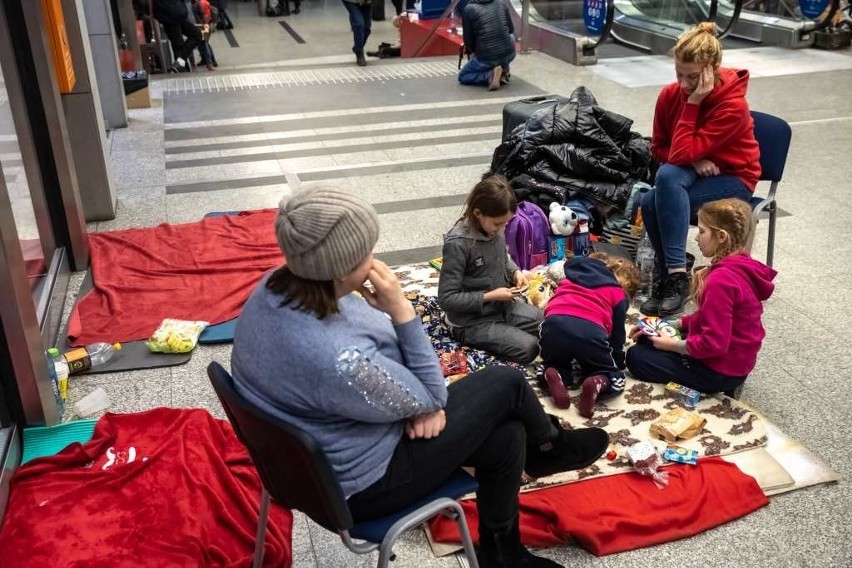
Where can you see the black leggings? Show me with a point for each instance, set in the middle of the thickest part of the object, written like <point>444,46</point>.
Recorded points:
<point>491,416</point>
<point>652,365</point>
<point>175,32</point>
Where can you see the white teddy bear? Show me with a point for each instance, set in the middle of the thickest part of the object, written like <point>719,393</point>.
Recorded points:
<point>563,221</point>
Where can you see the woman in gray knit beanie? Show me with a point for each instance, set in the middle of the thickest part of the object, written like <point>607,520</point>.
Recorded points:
<point>359,374</point>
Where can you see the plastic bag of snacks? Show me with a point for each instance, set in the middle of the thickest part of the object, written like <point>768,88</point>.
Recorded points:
<point>646,460</point>
<point>176,336</point>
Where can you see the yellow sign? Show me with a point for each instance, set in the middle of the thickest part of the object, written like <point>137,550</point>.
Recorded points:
<point>62,62</point>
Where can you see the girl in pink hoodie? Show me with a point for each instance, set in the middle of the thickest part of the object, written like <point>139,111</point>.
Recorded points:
<point>724,334</point>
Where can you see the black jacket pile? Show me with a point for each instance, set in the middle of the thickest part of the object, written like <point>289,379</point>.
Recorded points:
<point>573,150</point>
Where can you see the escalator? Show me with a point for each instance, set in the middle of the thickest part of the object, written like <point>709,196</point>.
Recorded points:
<point>774,22</point>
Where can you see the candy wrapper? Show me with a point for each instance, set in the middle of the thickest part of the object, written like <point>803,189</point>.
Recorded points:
<point>646,460</point>
<point>453,363</point>
<point>176,336</point>
<point>655,326</point>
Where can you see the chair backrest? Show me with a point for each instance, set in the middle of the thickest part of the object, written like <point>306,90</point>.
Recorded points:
<point>291,464</point>
<point>773,135</point>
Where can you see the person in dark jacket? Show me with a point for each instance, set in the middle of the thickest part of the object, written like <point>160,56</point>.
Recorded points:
<point>477,276</point>
<point>489,37</point>
<point>584,322</point>
<point>174,16</point>
<point>361,22</point>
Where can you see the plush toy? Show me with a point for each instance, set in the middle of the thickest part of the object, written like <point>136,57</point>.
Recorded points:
<point>539,290</point>
<point>563,221</point>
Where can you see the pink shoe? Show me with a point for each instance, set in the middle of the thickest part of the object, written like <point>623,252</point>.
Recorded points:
<point>592,387</point>
<point>557,388</point>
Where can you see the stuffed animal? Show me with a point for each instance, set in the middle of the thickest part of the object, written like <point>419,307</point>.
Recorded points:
<point>563,221</point>
<point>539,290</point>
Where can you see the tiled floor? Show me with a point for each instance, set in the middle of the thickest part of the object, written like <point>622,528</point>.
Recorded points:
<point>801,382</point>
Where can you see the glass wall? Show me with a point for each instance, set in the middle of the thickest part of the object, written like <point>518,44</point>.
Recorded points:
<point>35,245</point>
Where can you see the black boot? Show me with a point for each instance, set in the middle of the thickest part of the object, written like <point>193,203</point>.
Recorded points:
<point>570,450</point>
<point>675,294</point>
<point>504,550</point>
<point>651,306</point>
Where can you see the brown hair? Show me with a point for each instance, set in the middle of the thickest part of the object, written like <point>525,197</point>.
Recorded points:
<point>732,217</point>
<point>623,269</point>
<point>699,45</point>
<point>312,296</point>
<point>493,197</point>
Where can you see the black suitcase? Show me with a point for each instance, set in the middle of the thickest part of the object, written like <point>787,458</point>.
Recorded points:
<point>519,111</point>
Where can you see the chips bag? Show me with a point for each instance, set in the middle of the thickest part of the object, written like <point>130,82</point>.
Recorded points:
<point>176,336</point>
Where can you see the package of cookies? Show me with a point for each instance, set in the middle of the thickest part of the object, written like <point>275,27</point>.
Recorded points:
<point>677,424</point>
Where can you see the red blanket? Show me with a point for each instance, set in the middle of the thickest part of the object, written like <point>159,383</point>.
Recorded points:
<point>160,488</point>
<point>624,512</point>
<point>197,271</point>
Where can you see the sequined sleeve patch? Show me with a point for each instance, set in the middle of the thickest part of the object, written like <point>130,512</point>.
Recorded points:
<point>379,389</point>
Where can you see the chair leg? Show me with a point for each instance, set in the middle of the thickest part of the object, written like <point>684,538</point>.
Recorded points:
<point>260,538</point>
<point>464,531</point>
<point>770,245</point>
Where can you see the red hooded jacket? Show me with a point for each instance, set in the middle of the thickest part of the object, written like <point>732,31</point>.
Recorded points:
<point>720,129</point>
<point>725,332</point>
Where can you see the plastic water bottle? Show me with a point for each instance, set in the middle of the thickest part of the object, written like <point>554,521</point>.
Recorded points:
<point>93,355</point>
<point>645,262</point>
<point>60,366</point>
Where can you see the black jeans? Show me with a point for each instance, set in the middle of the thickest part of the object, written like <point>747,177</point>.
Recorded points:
<point>175,33</point>
<point>491,416</point>
<point>653,365</point>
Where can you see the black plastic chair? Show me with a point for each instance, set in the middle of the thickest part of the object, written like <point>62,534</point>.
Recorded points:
<point>295,472</point>
<point>773,135</point>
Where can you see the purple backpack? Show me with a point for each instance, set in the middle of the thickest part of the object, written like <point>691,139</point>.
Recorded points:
<point>526,236</point>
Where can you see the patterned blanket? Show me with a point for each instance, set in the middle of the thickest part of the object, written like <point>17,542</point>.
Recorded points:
<point>731,427</point>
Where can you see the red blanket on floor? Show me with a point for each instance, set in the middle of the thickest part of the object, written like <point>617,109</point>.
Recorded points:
<point>160,488</point>
<point>196,271</point>
<point>624,512</point>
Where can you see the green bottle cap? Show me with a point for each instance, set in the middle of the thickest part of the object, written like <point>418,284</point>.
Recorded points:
<point>53,351</point>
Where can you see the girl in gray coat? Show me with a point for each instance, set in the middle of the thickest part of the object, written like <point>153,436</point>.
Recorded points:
<point>477,276</point>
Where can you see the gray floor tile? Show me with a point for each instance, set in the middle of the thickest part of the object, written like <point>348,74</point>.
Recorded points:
<point>128,392</point>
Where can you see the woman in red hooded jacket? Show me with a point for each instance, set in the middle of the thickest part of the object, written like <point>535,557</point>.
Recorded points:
<point>704,138</point>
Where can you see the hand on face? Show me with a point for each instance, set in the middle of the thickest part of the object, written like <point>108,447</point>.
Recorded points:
<point>386,295</point>
<point>706,83</point>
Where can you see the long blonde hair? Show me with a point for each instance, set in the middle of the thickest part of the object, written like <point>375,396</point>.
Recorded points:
<point>699,45</point>
<point>733,218</point>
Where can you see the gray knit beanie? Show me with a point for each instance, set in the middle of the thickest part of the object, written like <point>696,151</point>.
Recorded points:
<point>325,233</point>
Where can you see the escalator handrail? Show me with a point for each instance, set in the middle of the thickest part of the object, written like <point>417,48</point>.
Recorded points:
<point>738,7</point>
<point>714,9</point>
<point>610,15</point>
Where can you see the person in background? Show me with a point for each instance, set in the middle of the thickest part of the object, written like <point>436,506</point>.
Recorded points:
<point>329,343</point>
<point>724,334</point>
<point>703,137</point>
<point>361,21</point>
<point>489,36</point>
<point>584,322</point>
<point>203,12</point>
<point>174,17</point>
<point>223,20</point>
<point>477,275</point>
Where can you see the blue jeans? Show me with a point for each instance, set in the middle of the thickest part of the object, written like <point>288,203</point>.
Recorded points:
<point>360,20</point>
<point>476,72</point>
<point>673,203</point>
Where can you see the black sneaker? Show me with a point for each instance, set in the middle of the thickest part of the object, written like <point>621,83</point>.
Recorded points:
<point>651,306</point>
<point>360,60</point>
<point>570,450</point>
<point>675,294</point>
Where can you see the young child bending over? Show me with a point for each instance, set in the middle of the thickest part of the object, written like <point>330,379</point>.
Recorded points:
<point>724,334</point>
<point>477,274</point>
<point>584,321</point>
